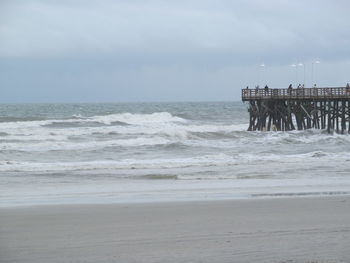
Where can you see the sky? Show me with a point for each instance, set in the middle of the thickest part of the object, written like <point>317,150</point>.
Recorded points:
<point>153,50</point>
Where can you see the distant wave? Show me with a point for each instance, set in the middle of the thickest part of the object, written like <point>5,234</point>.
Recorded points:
<point>18,119</point>
<point>137,119</point>
<point>71,124</point>
<point>56,145</point>
<point>97,132</point>
<point>128,118</point>
<point>85,137</point>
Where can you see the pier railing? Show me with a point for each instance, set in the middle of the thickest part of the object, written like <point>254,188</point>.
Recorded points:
<point>297,93</point>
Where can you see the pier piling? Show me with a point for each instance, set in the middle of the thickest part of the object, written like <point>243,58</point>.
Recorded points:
<point>302,108</point>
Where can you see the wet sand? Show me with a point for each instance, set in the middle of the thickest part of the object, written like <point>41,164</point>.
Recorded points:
<point>264,230</point>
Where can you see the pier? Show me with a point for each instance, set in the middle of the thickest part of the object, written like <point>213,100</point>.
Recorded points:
<point>298,108</point>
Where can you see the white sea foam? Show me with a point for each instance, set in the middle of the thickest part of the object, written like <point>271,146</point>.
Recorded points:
<point>202,150</point>
<point>128,118</point>
<point>178,130</point>
<point>211,160</point>
<point>94,145</point>
<point>151,129</point>
<point>47,139</point>
<point>138,119</point>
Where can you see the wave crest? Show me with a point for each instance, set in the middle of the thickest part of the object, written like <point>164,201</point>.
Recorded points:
<point>111,119</point>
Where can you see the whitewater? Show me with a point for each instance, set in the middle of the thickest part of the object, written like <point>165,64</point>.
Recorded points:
<point>150,152</point>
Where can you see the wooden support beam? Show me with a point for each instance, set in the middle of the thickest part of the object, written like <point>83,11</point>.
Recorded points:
<point>279,115</point>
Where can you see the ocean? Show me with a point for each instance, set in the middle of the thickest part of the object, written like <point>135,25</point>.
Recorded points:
<point>154,152</point>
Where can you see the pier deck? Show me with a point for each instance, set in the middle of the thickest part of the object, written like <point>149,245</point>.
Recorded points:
<point>301,108</point>
<point>296,94</point>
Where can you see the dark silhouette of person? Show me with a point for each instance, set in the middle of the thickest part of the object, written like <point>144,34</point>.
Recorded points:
<point>266,88</point>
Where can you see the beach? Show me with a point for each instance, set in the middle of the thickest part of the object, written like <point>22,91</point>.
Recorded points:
<point>312,229</point>
<point>104,153</point>
<point>168,182</point>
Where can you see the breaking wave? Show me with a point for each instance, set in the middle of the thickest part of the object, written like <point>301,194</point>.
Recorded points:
<point>111,119</point>
<point>113,130</point>
<point>162,145</point>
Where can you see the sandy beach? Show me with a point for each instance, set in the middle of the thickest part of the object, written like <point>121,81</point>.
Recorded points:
<point>265,230</point>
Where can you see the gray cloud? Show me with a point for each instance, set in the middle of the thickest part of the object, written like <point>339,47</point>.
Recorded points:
<point>166,50</point>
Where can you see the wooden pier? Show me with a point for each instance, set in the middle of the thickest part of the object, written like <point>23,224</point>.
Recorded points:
<point>300,108</point>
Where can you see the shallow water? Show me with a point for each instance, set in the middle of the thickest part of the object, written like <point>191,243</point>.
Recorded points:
<point>140,152</point>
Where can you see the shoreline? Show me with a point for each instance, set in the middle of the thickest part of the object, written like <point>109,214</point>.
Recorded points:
<point>164,191</point>
<point>303,229</point>
<point>243,198</point>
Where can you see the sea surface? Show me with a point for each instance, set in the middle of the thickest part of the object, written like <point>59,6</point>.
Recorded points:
<point>150,152</point>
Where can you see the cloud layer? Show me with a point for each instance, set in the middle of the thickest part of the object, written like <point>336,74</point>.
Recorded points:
<point>139,46</point>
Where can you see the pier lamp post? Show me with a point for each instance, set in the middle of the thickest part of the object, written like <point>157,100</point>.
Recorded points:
<point>261,66</point>
<point>302,65</point>
<point>312,70</point>
<point>296,73</point>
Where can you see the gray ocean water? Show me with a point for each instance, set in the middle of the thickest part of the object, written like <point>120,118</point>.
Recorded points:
<point>141,152</point>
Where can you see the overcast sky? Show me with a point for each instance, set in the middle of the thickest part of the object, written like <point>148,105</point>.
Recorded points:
<point>180,50</point>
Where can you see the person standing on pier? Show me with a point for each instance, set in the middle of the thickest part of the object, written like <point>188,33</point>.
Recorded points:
<point>299,90</point>
<point>246,92</point>
<point>266,88</point>
<point>256,90</point>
